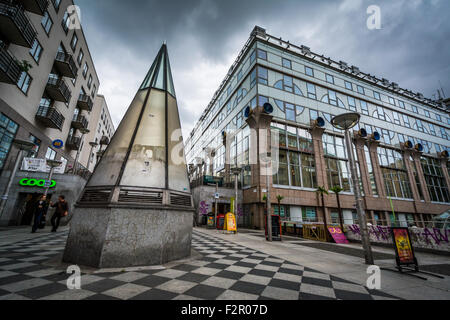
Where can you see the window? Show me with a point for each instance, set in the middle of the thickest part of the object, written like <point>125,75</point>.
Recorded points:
<point>406,121</point>
<point>329,78</point>
<point>376,95</point>
<point>89,84</point>
<point>47,22</point>
<point>309,71</point>
<point>396,117</point>
<point>332,99</point>
<point>66,22</point>
<point>85,70</point>
<point>361,90</point>
<point>380,113</point>
<point>80,57</point>
<point>253,78</point>
<point>51,154</point>
<point>74,42</point>
<point>438,117</point>
<point>401,104</point>
<point>401,138</point>
<point>287,63</point>
<point>37,144</point>
<point>444,133</point>
<point>335,158</point>
<point>392,101</point>
<point>348,85</point>
<point>427,113</point>
<point>414,109</point>
<point>8,129</point>
<point>311,90</point>
<point>262,54</point>
<point>36,51</point>
<point>253,56</point>
<point>434,177</point>
<point>56,4</point>
<point>262,76</point>
<point>351,103</point>
<point>394,172</point>
<point>364,108</point>
<point>432,129</point>
<point>239,75</point>
<point>94,91</point>
<point>24,82</point>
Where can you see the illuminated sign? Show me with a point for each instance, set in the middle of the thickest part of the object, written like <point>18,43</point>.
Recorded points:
<point>37,183</point>
<point>58,144</point>
<point>404,250</point>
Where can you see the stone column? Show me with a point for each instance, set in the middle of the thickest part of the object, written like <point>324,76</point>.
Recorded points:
<point>379,179</point>
<point>409,169</point>
<point>423,184</point>
<point>360,143</point>
<point>445,171</point>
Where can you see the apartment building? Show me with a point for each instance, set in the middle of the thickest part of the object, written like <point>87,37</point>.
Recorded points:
<point>101,130</point>
<point>48,85</point>
<point>403,163</point>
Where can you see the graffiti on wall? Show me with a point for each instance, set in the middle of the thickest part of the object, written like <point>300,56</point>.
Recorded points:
<point>420,236</point>
<point>203,208</point>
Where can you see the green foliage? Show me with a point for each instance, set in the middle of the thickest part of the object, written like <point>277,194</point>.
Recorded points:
<point>280,198</point>
<point>24,65</point>
<point>322,190</point>
<point>337,189</point>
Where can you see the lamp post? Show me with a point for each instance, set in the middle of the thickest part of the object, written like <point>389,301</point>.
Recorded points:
<point>52,164</point>
<point>93,145</point>
<point>269,204</point>
<point>75,164</point>
<point>236,171</point>
<point>23,145</point>
<point>346,122</point>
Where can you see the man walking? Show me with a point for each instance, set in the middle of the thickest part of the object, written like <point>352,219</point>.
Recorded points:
<point>62,210</point>
<point>39,212</point>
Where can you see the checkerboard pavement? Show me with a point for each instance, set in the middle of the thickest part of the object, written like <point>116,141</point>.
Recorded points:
<point>225,271</point>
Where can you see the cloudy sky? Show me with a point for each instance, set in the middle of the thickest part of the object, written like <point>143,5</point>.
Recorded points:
<point>204,37</point>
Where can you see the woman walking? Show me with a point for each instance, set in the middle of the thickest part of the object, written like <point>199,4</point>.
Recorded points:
<point>39,212</point>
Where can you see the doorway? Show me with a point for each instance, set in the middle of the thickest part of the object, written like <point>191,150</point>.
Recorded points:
<point>26,207</point>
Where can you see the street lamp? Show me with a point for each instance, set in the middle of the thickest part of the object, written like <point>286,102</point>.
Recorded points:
<point>83,131</point>
<point>52,164</point>
<point>346,122</point>
<point>23,145</point>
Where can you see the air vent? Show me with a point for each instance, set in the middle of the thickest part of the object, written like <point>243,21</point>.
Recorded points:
<point>96,195</point>
<point>139,196</point>
<point>180,200</point>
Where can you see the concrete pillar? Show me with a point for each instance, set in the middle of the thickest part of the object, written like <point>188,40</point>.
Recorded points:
<point>379,179</point>
<point>407,154</point>
<point>360,143</point>
<point>423,184</point>
<point>321,167</point>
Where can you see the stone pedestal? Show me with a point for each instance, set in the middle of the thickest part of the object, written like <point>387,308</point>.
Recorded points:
<point>127,237</point>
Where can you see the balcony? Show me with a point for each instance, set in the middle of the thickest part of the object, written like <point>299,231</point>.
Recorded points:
<point>73,143</point>
<point>36,6</point>
<point>85,102</point>
<point>58,90</point>
<point>15,26</point>
<point>50,117</point>
<point>9,68</point>
<point>65,64</point>
<point>79,122</point>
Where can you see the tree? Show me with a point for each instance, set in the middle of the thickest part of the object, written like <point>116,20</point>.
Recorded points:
<point>337,190</point>
<point>279,199</point>
<point>321,190</point>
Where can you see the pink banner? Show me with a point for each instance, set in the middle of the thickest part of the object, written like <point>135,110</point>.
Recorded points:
<point>338,235</point>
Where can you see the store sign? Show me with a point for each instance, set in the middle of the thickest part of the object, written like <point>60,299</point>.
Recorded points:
<point>40,165</point>
<point>37,183</point>
<point>58,144</point>
<point>403,247</point>
<point>338,235</point>
<point>230,222</point>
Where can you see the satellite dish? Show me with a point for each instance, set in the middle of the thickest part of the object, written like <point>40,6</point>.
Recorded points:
<point>362,133</point>
<point>408,144</point>
<point>268,108</point>
<point>376,136</point>
<point>419,147</point>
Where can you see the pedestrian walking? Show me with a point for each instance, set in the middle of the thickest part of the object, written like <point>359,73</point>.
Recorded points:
<point>62,210</point>
<point>40,212</point>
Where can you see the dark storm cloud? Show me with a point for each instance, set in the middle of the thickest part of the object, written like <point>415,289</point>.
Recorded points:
<point>204,37</point>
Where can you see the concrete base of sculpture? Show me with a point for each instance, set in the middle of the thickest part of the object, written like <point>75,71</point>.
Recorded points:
<point>118,237</point>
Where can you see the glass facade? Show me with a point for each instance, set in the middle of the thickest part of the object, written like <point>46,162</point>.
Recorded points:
<point>8,130</point>
<point>437,187</point>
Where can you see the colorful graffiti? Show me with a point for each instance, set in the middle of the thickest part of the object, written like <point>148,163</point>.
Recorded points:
<point>420,236</point>
<point>204,208</point>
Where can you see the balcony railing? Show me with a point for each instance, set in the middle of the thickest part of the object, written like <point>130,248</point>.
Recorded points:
<point>65,64</point>
<point>58,90</point>
<point>50,117</point>
<point>85,102</point>
<point>9,68</point>
<point>15,25</point>
<point>35,6</point>
<point>80,122</point>
<point>73,143</point>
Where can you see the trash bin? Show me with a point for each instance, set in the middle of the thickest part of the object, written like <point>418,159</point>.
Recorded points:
<point>210,220</point>
<point>204,220</point>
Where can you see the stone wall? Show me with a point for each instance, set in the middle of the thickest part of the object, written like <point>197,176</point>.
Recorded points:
<point>422,238</point>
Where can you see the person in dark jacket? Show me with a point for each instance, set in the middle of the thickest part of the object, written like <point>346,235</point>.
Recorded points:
<point>40,211</point>
<point>62,210</point>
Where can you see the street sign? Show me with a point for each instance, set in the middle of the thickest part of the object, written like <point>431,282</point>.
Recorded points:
<point>216,196</point>
<point>58,144</point>
<point>37,183</point>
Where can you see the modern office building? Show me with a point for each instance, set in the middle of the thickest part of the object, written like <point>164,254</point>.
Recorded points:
<point>404,175</point>
<point>48,85</point>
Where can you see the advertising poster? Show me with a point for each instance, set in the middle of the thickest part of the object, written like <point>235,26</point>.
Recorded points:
<point>402,245</point>
<point>338,235</point>
<point>230,222</point>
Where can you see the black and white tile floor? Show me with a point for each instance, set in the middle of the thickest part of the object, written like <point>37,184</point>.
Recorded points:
<point>226,271</point>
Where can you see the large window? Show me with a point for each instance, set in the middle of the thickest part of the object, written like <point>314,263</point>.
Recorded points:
<point>24,82</point>
<point>394,172</point>
<point>336,161</point>
<point>416,178</point>
<point>311,90</point>
<point>373,184</point>
<point>36,51</point>
<point>8,130</point>
<point>47,22</point>
<point>309,71</point>
<point>262,76</point>
<point>434,177</point>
